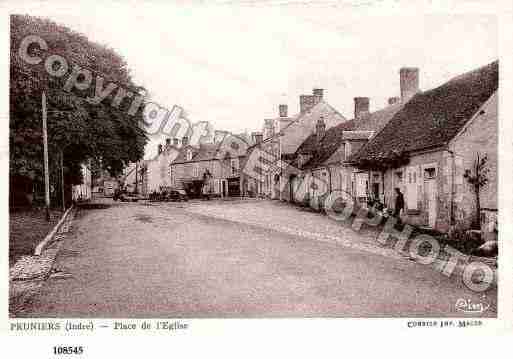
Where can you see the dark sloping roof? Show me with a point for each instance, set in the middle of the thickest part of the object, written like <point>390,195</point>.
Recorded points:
<point>206,151</point>
<point>375,121</point>
<point>322,150</point>
<point>322,153</point>
<point>215,151</point>
<point>431,119</point>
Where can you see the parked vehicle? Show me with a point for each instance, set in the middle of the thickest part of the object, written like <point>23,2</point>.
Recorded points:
<point>125,196</point>
<point>110,188</point>
<point>177,195</point>
<point>168,194</point>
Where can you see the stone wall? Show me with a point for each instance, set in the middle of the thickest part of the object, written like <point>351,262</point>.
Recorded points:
<point>478,137</point>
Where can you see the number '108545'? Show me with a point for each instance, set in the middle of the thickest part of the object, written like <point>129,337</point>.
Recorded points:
<point>58,350</point>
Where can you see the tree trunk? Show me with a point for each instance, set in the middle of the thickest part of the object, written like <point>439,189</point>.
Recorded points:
<point>478,208</point>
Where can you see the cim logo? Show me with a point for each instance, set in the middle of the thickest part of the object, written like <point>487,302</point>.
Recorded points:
<point>467,306</point>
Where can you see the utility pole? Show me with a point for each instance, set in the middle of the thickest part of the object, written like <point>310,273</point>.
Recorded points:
<point>136,180</point>
<point>62,181</point>
<point>45,155</point>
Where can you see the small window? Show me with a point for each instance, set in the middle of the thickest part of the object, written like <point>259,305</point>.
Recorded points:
<point>189,155</point>
<point>409,177</point>
<point>235,166</point>
<point>399,177</point>
<point>429,173</point>
<point>414,177</point>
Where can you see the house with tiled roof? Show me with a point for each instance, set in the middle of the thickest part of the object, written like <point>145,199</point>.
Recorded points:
<point>430,147</point>
<point>283,135</point>
<point>213,168</point>
<point>320,162</point>
<point>154,172</point>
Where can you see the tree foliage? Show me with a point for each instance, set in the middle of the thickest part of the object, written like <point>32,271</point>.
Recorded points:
<point>80,129</point>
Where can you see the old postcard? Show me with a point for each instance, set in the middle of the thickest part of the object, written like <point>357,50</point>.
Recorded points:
<point>175,162</point>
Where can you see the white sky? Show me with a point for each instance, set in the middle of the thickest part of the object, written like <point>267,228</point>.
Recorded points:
<point>232,65</point>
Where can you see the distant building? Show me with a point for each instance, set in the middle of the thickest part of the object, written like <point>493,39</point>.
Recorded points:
<point>283,135</point>
<point>155,173</point>
<point>83,191</point>
<point>211,168</point>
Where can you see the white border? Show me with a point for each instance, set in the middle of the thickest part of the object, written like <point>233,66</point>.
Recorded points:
<point>342,337</point>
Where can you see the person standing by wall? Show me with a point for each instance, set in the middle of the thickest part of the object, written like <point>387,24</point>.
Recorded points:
<point>399,203</point>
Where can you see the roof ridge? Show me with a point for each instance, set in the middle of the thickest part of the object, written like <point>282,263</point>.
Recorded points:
<point>417,124</point>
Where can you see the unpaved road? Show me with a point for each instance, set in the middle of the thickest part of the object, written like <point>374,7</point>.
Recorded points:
<point>132,260</point>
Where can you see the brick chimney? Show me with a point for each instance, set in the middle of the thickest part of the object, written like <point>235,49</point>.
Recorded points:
<point>320,129</point>
<point>283,109</point>
<point>392,100</point>
<point>256,137</point>
<point>361,107</point>
<point>185,141</point>
<point>409,82</point>
<point>318,93</point>
<point>268,128</point>
<point>306,102</point>
<point>159,149</point>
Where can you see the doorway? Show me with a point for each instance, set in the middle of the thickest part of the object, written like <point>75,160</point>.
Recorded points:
<point>430,186</point>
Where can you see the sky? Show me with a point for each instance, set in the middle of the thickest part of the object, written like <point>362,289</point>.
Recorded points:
<point>233,65</point>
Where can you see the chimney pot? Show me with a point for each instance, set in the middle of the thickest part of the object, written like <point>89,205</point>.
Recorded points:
<point>409,82</point>
<point>318,92</point>
<point>283,109</point>
<point>361,107</point>
<point>257,137</point>
<point>320,129</point>
<point>269,128</point>
<point>307,102</point>
<point>392,100</point>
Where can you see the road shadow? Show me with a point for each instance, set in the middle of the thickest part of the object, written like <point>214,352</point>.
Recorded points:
<point>89,206</point>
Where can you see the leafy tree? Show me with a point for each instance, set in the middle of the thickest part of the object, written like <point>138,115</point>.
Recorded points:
<point>79,129</point>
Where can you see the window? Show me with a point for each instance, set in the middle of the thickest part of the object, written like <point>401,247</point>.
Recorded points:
<point>234,166</point>
<point>399,177</point>
<point>429,173</point>
<point>375,190</point>
<point>361,185</point>
<point>412,190</point>
<point>189,155</point>
<point>347,149</point>
<point>301,160</point>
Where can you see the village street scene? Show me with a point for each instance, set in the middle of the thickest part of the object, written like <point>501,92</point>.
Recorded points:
<point>375,198</point>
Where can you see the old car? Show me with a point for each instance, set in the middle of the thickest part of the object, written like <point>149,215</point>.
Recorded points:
<point>177,195</point>
<point>125,196</point>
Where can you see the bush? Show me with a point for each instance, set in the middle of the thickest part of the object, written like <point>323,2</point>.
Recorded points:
<point>464,240</point>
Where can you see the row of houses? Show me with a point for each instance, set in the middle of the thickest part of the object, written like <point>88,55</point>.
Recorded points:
<point>425,143</point>
<point>212,167</point>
